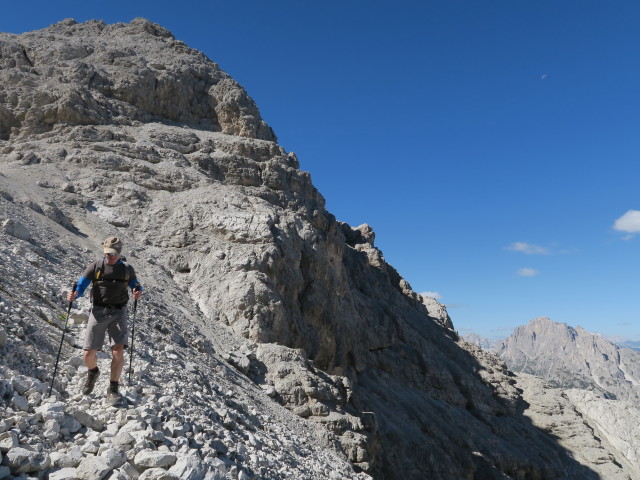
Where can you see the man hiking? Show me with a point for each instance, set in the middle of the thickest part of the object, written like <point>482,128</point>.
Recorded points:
<point>112,279</point>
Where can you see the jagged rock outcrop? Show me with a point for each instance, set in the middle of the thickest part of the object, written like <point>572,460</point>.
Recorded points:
<point>116,74</point>
<point>568,357</point>
<point>122,129</point>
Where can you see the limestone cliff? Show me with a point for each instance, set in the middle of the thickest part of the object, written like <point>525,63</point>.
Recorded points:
<point>121,129</point>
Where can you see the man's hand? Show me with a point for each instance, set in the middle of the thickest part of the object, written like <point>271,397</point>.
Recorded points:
<point>71,296</point>
<point>136,294</point>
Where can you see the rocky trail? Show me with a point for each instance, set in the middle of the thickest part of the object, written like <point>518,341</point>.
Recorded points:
<point>189,414</point>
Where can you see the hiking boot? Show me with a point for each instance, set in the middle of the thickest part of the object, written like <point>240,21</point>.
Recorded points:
<point>90,382</point>
<point>114,398</point>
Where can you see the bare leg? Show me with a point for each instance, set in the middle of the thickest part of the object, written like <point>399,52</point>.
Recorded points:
<point>117,362</point>
<point>91,359</point>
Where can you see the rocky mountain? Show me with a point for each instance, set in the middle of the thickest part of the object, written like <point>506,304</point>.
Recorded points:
<point>568,357</point>
<point>273,341</point>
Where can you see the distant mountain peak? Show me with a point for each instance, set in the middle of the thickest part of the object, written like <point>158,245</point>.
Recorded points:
<point>571,357</point>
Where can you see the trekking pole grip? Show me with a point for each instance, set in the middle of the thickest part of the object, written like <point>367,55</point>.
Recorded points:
<point>136,289</point>
<point>73,289</point>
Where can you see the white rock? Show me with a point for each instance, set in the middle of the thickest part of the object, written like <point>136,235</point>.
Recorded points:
<point>51,435</point>
<point>152,458</point>
<point>123,438</point>
<point>63,474</point>
<point>20,403</point>
<point>85,418</point>
<point>115,458</point>
<point>133,426</point>
<point>156,474</point>
<point>90,447</point>
<point>16,229</point>
<point>218,465</point>
<point>8,440</point>
<point>71,458</point>
<point>130,470</point>
<point>51,411</point>
<point>21,384</point>
<point>52,424</point>
<point>188,467</point>
<point>21,460</point>
<point>120,475</point>
<point>92,468</point>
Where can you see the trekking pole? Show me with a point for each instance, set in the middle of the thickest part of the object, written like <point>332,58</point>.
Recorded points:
<point>133,331</point>
<point>73,289</point>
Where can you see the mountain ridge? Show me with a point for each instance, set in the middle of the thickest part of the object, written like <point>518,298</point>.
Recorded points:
<point>573,357</point>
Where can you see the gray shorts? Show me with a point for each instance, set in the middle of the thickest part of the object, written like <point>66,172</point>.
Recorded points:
<point>103,320</point>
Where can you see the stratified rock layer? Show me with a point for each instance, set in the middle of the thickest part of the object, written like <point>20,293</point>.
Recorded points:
<point>120,129</point>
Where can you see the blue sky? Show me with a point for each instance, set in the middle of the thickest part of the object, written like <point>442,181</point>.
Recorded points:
<point>491,145</point>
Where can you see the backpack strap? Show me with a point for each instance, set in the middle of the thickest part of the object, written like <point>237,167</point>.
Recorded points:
<point>127,275</point>
<point>98,270</point>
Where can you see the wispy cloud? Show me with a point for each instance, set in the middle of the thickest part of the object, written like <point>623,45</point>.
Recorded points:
<point>628,223</point>
<point>527,272</point>
<point>528,248</point>
<point>435,295</point>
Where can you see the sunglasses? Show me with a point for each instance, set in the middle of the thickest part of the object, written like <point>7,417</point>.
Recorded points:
<point>111,254</point>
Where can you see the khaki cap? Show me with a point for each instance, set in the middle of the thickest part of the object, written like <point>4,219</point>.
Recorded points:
<point>112,245</point>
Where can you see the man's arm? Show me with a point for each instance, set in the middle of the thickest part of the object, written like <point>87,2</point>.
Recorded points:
<point>135,285</point>
<point>83,282</point>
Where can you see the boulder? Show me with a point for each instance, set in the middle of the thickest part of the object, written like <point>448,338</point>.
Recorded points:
<point>92,468</point>
<point>154,459</point>
<point>16,229</point>
<point>22,460</point>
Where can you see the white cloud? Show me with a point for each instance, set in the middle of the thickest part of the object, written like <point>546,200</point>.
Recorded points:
<point>435,295</point>
<point>629,223</point>
<point>528,248</point>
<point>528,272</point>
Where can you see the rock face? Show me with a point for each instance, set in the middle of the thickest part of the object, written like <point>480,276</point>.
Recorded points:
<point>569,357</point>
<point>273,341</point>
<point>116,74</point>
<point>598,431</point>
